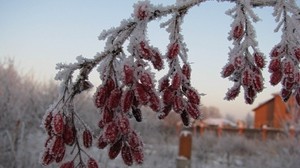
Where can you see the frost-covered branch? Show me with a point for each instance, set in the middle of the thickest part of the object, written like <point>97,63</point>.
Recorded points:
<point>129,84</point>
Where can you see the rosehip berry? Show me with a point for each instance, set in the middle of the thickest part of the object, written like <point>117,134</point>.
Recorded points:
<point>101,142</point>
<point>297,54</point>
<point>107,115</point>
<point>154,102</point>
<point>47,158</point>
<point>178,105</point>
<point>285,94</point>
<point>277,51</point>
<point>156,60</point>
<point>275,65</point>
<point>176,82</point>
<point>111,132</point>
<point>185,118</point>
<point>128,74</point>
<point>114,98</point>
<point>69,134</point>
<point>124,125</point>
<point>166,110</point>
<point>127,100</point>
<point>101,97</point>
<point>193,110</point>
<point>145,52</point>
<point>232,93</point>
<point>47,123</point>
<point>69,164</point>
<point>58,146</point>
<point>146,81</point>
<point>193,96</point>
<point>141,95</point>
<point>137,113</point>
<point>164,84</point>
<point>186,71</point>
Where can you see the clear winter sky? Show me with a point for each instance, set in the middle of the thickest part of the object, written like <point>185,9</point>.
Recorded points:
<point>40,33</point>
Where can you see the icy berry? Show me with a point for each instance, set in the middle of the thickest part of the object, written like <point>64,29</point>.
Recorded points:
<point>193,96</point>
<point>69,134</point>
<point>164,84</point>
<point>258,83</point>
<point>114,98</point>
<point>166,110</point>
<point>173,50</point>
<point>154,102</point>
<point>297,53</point>
<point>107,115</point>
<point>87,138</point>
<point>128,74</point>
<point>178,105</point>
<point>193,110</point>
<point>92,163</point>
<point>146,81</point>
<point>186,71</point>
<point>176,82</point>
<point>233,93</point>
<point>60,156</point>
<point>101,142</point>
<point>101,96</point>
<point>288,67</point>
<point>246,78</point>
<point>127,100</point>
<point>227,70</point>
<point>124,124</point>
<point>238,31</point>
<point>58,123</point>
<point>58,146</point>
<point>156,60</point>
<point>274,65</point>
<point>127,155</point>
<point>138,155</point>
<point>141,94</point>
<point>69,164</point>
<point>111,132</point>
<point>285,94</point>
<point>275,77</point>
<point>133,140</point>
<point>47,158</point>
<point>239,62</point>
<point>259,60</point>
<point>142,12</point>
<point>47,123</point>
<point>277,51</point>
<point>115,149</point>
<point>168,96</point>
<point>145,52</point>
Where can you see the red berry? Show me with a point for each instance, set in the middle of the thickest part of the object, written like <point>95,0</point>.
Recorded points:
<point>69,134</point>
<point>238,31</point>
<point>259,60</point>
<point>258,83</point>
<point>69,164</point>
<point>185,118</point>
<point>128,74</point>
<point>60,156</point>
<point>227,70</point>
<point>101,96</point>
<point>115,149</point>
<point>193,110</point>
<point>176,82</point>
<point>178,105</point>
<point>127,100</point>
<point>157,60</point>
<point>275,65</point>
<point>154,102</point>
<point>138,155</point>
<point>168,96</point>
<point>58,123</point>
<point>133,140</point>
<point>298,97</point>
<point>141,95</point>
<point>114,98</point>
<point>47,123</point>
<point>107,115</point>
<point>173,50</point>
<point>87,138</point>
<point>232,93</point>
<point>146,81</point>
<point>164,84</point>
<point>47,158</point>
<point>145,52</point>
<point>186,71</point>
<point>288,67</point>
<point>277,51</point>
<point>193,96</point>
<point>127,155</point>
<point>101,124</point>
<point>297,53</point>
<point>285,94</point>
<point>110,85</point>
<point>111,132</point>
<point>276,77</point>
<point>239,62</point>
<point>58,146</point>
<point>246,78</point>
<point>124,124</point>
<point>101,142</point>
<point>92,163</point>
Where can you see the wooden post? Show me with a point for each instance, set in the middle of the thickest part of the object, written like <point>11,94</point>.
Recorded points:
<point>219,131</point>
<point>292,132</point>
<point>264,132</point>
<point>241,129</point>
<point>201,128</point>
<point>185,149</point>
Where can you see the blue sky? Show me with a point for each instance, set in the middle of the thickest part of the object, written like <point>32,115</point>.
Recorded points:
<point>40,33</point>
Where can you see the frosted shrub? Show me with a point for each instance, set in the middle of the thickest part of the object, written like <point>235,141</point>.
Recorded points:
<point>129,83</point>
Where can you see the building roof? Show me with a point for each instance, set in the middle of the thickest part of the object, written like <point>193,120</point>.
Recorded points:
<point>266,102</point>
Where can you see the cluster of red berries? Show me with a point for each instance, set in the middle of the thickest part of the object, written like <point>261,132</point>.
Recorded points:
<point>284,68</point>
<point>61,133</point>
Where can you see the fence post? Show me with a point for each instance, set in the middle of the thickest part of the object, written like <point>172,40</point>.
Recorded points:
<point>264,133</point>
<point>201,128</point>
<point>292,132</point>
<point>185,149</point>
<point>219,130</point>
